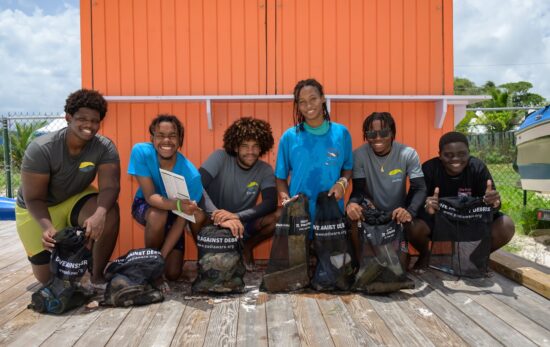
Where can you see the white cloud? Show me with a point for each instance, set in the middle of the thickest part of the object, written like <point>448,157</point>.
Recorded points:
<point>503,41</point>
<point>39,59</point>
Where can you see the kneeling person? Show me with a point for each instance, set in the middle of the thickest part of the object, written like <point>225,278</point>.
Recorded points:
<point>456,173</point>
<point>152,207</point>
<point>234,177</point>
<point>56,176</point>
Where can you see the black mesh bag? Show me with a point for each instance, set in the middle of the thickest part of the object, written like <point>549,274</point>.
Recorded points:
<point>130,278</point>
<point>380,270</point>
<point>221,269</point>
<point>462,233</point>
<point>332,245</point>
<point>69,261</point>
<point>287,269</point>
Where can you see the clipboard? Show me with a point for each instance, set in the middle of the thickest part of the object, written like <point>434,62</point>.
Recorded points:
<point>176,188</point>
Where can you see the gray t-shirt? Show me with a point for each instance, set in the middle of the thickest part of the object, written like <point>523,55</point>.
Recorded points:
<point>386,190</point>
<point>48,154</point>
<point>233,188</point>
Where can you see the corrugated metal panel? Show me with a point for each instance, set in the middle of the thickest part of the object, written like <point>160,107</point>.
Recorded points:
<point>205,47</point>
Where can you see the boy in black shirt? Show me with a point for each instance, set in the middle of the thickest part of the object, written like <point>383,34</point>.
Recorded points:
<point>456,173</point>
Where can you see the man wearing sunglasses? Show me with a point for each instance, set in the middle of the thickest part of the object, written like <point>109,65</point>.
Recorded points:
<point>380,169</point>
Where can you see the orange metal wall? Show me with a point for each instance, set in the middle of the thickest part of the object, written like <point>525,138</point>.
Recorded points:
<point>209,47</point>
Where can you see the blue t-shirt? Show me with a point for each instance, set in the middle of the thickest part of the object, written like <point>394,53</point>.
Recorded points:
<point>314,162</point>
<point>144,162</point>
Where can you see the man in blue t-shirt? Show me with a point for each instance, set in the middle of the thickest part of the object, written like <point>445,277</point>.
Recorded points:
<point>152,207</point>
<point>234,178</point>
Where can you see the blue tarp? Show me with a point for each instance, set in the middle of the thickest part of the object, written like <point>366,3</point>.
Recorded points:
<point>7,208</point>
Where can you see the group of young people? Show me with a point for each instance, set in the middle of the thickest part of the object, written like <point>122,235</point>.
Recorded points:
<point>315,155</point>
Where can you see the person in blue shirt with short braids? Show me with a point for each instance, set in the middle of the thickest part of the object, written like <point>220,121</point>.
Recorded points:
<point>314,155</point>
<point>152,207</point>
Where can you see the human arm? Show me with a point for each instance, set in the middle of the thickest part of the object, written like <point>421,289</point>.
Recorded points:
<point>340,186</point>
<point>268,205</point>
<point>108,176</point>
<point>354,209</point>
<point>35,192</point>
<point>156,200</point>
<point>416,195</point>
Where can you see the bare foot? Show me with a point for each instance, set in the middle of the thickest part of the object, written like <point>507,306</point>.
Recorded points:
<point>162,285</point>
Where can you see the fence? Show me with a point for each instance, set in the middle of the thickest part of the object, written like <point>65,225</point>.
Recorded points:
<point>18,130</point>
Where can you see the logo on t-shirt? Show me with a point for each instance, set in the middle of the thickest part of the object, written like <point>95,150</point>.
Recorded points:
<point>252,188</point>
<point>396,175</point>
<point>464,192</point>
<point>333,155</point>
<point>86,166</point>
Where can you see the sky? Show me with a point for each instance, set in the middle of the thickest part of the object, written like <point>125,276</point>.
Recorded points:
<point>498,40</point>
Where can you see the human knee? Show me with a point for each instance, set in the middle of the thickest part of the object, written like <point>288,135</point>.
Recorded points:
<point>503,229</point>
<point>418,230</point>
<point>156,218</point>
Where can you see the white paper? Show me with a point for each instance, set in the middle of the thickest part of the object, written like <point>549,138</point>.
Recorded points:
<point>176,188</point>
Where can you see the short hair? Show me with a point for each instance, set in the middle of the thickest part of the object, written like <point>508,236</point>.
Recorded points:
<point>170,118</point>
<point>298,116</point>
<point>384,117</point>
<point>453,136</point>
<point>86,98</point>
<point>247,129</point>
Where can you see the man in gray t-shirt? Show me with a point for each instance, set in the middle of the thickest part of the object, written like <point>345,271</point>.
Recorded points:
<point>380,170</point>
<point>56,186</point>
<point>234,178</point>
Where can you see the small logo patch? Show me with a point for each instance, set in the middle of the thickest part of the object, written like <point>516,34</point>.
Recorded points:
<point>252,187</point>
<point>395,172</point>
<point>86,166</point>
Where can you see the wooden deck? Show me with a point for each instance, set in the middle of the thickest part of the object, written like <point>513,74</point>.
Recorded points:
<point>440,311</point>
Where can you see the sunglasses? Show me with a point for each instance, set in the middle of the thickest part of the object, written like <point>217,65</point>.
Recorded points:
<point>372,134</point>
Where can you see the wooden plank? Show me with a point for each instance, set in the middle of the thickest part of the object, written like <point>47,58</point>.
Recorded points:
<point>368,321</point>
<point>519,298</point>
<point>525,326</point>
<point>222,327</point>
<point>164,324</point>
<point>99,333</point>
<point>14,274</point>
<point>431,326</point>
<point>402,327</point>
<point>131,330</point>
<point>311,326</point>
<point>15,291</point>
<point>192,328</point>
<point>462,325</point>
<point>501,331</point>
<point>37,333</point>
<point>281,325</point>
<point>521,271</point>
<point>73,328</point>
<point>16,323</point>
<point>252,325</point>
<point>341,326</point>
<point>14,306</point>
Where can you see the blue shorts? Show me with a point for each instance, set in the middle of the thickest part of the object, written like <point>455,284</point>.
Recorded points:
<point>139,210</point>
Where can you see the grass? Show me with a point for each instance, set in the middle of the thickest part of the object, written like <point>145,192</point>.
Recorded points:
<point>524,216</point>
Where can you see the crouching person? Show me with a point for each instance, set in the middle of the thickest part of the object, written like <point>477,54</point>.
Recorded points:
<point>234,177</point>
<point>152,207</point>
<point>455,173</point>
<point>56,176</point>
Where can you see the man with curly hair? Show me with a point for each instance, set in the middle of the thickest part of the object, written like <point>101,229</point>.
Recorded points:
<point>234,177</point>
<point>56,186</point>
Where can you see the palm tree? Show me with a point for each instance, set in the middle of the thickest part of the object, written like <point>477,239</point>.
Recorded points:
<point>24,134</point>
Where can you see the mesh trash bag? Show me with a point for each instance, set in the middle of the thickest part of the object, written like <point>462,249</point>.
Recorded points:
<point>131,277</point>
<point>221,269</point>
<point>463,224</point>
<point>380,270</point>
<point>287,269</point>
<point>332,245</point>
<point>69,261</point>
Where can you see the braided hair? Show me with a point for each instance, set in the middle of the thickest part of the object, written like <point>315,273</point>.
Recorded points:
<point>384,117</point>
<point>299,118</point>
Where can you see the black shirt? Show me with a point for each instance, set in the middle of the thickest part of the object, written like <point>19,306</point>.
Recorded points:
<point>472,181</point>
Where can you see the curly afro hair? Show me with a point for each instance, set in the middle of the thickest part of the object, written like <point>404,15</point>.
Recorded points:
<point>86,98</point>
<point>247,129</point>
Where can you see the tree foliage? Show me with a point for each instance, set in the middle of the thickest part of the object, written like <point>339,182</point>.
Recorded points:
<point>24,134</point>
<point>513,94</point>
